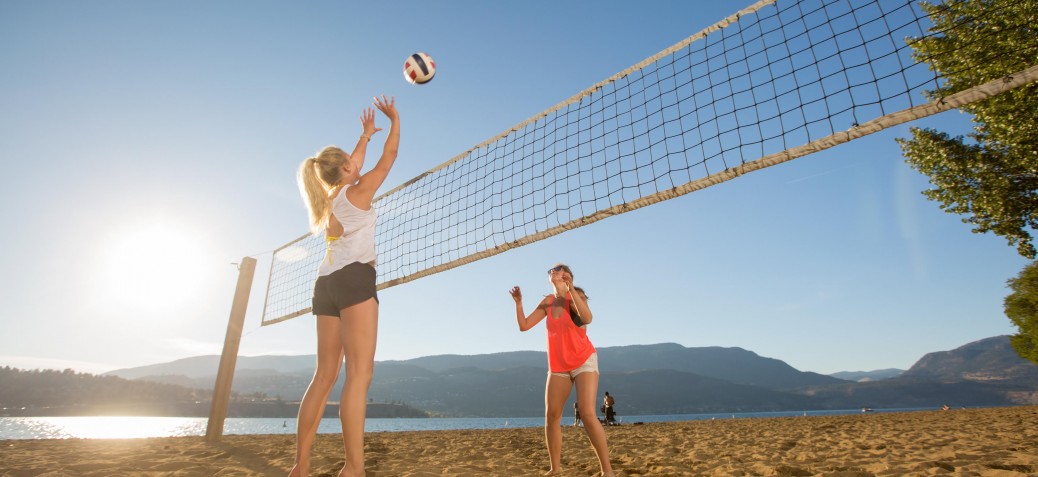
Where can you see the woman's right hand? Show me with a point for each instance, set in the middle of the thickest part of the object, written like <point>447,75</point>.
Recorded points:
<point>387,106</point>
<point>517,294</point>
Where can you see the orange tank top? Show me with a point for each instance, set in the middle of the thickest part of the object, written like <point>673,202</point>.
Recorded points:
<point>568,344</point>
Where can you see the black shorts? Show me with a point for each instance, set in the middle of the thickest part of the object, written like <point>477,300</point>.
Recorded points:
<point>343,288</point>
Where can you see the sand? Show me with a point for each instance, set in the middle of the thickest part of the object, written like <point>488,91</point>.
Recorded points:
<point>993,442</point>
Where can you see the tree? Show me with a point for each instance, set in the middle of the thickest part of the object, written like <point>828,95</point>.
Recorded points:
<point>993,177</point>
<point>1021,307</point>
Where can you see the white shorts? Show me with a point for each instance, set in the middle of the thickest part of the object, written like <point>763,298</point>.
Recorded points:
<point>590,365</point>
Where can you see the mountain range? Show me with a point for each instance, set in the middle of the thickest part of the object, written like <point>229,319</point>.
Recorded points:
<point>662,378</point>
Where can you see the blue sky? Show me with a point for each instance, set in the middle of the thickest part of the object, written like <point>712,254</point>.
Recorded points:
<point>148,145</point>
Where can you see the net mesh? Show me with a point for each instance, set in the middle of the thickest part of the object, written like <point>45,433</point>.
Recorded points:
<point>774,81</point>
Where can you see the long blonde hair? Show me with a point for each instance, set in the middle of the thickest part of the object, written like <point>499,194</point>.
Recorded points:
<point>317,176</point>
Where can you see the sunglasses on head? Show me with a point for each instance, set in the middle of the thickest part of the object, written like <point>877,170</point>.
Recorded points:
<point>555,269</point>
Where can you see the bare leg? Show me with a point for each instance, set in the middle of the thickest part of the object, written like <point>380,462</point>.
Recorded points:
<point>587,388</point>
<point>311,409</point>
<point>359,332</point>
<point>555,393</point>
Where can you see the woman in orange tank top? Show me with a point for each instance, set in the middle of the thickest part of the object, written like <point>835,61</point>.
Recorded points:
<point>572,359</point>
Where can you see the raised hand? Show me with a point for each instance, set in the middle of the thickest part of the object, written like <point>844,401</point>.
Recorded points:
<point>517,294</point>
<point>367,121</point>
<point>387,106</point>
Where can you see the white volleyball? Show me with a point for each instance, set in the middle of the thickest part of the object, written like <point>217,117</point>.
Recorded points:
<point>419,68</point>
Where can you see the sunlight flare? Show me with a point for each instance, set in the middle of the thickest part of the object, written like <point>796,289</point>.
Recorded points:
<point>153,264</point>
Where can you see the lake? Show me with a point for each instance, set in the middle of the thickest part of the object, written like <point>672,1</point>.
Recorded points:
<point>128,427</point>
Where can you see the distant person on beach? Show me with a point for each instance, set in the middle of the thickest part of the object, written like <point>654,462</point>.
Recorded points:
<point>576,413</point>
<point>571,359</point>
<point>338,198</point>
<point>607,406</point>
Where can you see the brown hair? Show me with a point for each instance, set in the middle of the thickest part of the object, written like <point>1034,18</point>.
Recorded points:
<point>573,313</point>
<point>565,268</point>
<point>582,292</point>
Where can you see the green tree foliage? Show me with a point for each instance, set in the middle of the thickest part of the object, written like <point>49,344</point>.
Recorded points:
<point>1021,307</point>
<point>992,177</point>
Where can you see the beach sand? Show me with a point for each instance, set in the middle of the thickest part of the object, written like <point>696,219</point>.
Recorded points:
<point>994,442</point>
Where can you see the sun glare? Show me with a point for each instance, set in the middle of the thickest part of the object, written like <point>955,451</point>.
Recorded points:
<point>119,427</point>
<point>151,265</point>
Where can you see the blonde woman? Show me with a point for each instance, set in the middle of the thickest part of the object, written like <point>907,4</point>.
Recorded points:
<point>572,359</point>
<point>338,198</point>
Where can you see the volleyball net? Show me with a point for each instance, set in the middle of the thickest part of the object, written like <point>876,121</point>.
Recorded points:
<point>775,81</point>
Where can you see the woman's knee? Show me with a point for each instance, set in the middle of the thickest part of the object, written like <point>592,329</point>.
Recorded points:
<point>325,376</point>
<point>360,373</point>
<point>553,413</point>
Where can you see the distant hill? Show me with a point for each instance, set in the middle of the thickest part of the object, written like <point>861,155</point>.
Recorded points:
<point>735,365</point>
<point>908,393</point>
<point>865,376</point>
<point>68,393</point>
<point>668,391</point>
<point>730,364</point>
<point>662,378</point>
<point>489,362</point>
<point>53,388</point>
<point>206,366</point>
<point>982,373</point>
<point>512,383</point>
<point>990,360</point>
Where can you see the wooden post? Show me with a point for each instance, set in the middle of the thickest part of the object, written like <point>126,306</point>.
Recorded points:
<point>225,375</point>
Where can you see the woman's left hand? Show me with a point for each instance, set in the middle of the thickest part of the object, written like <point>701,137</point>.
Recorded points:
<point>367,121</point>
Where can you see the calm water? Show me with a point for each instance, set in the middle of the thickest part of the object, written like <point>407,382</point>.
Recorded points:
<point>117,427</point>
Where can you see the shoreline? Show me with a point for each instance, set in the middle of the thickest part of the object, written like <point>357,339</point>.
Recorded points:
<point>120,427</point>
<point>989,442</point>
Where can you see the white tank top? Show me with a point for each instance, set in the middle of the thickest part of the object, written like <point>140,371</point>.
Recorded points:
<point>357,243</point>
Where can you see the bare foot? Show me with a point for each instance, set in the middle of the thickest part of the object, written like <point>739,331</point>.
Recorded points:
<point>346,473</point>
<point>300,470</point>
<point>554,472</point>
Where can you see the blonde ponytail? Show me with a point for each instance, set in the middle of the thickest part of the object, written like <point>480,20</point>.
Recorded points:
<point>316,177</point>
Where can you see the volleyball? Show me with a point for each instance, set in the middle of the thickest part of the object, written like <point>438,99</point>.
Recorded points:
<point>419,68</point>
